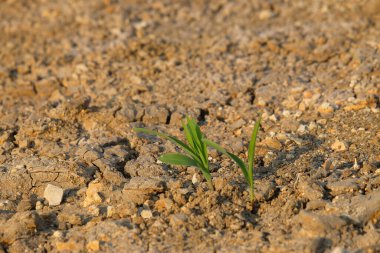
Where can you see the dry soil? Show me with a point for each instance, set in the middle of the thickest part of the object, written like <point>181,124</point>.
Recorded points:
<point>77,76</point>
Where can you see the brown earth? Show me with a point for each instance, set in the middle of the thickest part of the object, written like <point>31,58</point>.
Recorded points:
<point>77,76</point>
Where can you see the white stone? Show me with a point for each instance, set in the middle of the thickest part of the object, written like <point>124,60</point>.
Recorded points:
<point>273,118</point>
<point>265,14</point>
<point>39,205</point>
<point>195,180</point>
<point>146,214</point>
<point>57,234</point>
<point>53,194</point>
<point>312,125</point>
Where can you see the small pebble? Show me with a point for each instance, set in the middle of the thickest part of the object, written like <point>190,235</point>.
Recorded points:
<point>53,194</point>
<point>325,108</point>
<point>339,146</point>
<point>195,180</point>
<point>146,214</point>
<point>57,234</point>
<point>39,205</point>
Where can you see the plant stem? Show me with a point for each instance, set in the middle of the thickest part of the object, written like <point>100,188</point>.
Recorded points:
<point>210,185</point>
<point>252,195</point>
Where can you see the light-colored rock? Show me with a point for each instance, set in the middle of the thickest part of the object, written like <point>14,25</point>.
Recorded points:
<point>265,14</point>
<point>57,234</point>
<point>195,179</point>
<point>302,129</point>
<point>146,214</point>
<point>325,108</point>
<point>92,194</point>
<point>339,146</point>
<point>39,205</point>
<point>53,194</point>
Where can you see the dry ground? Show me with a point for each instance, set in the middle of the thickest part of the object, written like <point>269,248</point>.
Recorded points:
<point>77,76</point>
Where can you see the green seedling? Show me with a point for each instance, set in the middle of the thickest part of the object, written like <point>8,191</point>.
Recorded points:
<point>247,169</point>
<point>195,149</point>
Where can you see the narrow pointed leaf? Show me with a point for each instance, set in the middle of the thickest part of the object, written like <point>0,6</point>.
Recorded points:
<point>178,159</point>
<point>251,150</point>
<point>170,138</point>
<point>196,135</point>
<point>241,164</point>
<point>196,149</point>
<point>235,158</point>
<point>188,135</point>
<point>205,171</point>
<point>191,140</point>
<point>215,146</point>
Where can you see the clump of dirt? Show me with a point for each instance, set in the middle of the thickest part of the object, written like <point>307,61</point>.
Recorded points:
<point>76,77</point>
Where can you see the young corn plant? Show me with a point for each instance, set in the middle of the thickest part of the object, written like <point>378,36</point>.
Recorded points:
<point>247,169</point>
<point>195,149</point>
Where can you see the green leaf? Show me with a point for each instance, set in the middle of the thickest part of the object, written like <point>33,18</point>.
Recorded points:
<point>235,158</point>
<point>251,150</point>
<point>196,149</point>
<point>205,171</point>
<point>178,159</point>
<point>241,164</point>
<point>215,146</point>
<point>196,136</point>
<point>181,144</point>
<point>188,135</point>
<point>168,137</point>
